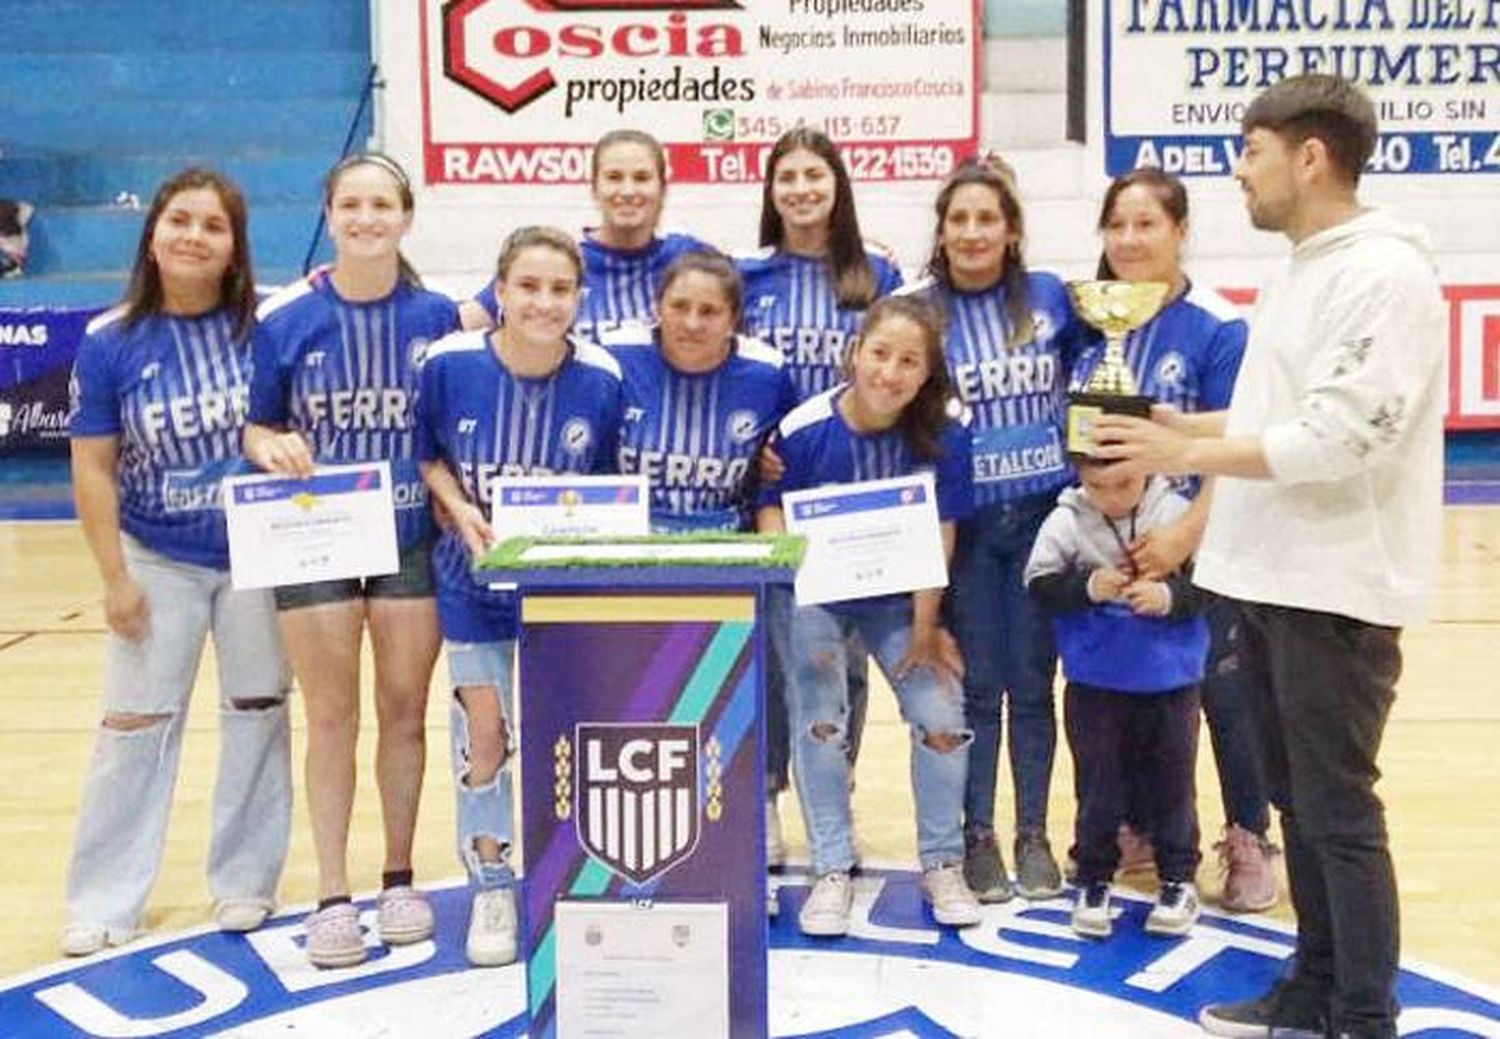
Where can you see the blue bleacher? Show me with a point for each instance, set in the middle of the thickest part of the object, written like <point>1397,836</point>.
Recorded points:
<point>105,98</point>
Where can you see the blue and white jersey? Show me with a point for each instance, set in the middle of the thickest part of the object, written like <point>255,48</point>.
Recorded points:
<point>473,414</point>
<point>818,447</point>
<point>175,390</point>
<point>343,374</point>
<point>1187,355</point>
<point>619,285</point>
<point>1016,396</point>
<point>697,436</point>
<point>791,303</point>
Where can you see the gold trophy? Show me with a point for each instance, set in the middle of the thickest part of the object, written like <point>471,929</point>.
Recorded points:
<point>1115,308</point>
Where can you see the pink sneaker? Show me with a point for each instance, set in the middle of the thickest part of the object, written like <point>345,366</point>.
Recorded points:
<point>402,916</point>
<point>334,938</point>
<point>1137,853</point>
<point>1245,862</point>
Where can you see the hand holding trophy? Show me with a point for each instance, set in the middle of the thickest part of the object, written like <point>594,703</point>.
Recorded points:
<point>1115,308</point>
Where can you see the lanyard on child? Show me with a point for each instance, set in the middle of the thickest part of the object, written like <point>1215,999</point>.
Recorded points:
<point>1130,568</point>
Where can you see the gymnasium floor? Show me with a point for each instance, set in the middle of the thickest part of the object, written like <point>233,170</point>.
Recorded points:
<point>1442,768</point>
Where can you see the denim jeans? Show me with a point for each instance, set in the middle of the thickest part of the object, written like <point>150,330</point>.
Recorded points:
<point>1229,707</point>
<point>778,732</point>
<point>1008,651</point>
<point>488,810</point>
<point>1153,736</point>
<point>127,794</point>
<point>820,718</point>
<point>1324,686</point>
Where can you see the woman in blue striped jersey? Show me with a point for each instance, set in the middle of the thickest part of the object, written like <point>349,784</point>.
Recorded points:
<point>813,276</point>
<point>337,357</point>
<point>890,419</point>
<point>625,257</point>
<point>524,399</point>
<point>806,289</point>
<point>159,398</point>
<point>699,399</point>
<point>1011,339</point>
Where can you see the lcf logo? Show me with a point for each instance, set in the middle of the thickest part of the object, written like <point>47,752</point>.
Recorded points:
<point>505,50</point>
<point>637,795</point>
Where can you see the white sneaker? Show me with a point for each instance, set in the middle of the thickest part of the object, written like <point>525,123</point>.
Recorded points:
<point>1091,913</point>
<point>826,911</point>
<point>241,914</point>
<point>952,901</point>
<point>1176,909</point>
<point>775,845</point>
<point>87,939</point>
<point>492,928</point>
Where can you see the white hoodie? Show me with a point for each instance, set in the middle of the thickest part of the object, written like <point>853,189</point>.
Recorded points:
<point>1344,381</point>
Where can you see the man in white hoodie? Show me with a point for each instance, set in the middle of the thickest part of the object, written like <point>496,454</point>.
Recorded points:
<point>1327,532</point>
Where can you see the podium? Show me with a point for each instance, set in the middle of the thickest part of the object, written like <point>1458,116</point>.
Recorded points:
<point>640,697</point>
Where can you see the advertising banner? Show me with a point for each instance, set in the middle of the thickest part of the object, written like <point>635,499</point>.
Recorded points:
<point>37,346</point>
<point>1178,75</point>
<point>516,91</point>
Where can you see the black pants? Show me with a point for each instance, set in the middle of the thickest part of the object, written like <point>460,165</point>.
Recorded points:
<point>1324,687</point>
<point>1119,740</point>
<point>1228,707</point>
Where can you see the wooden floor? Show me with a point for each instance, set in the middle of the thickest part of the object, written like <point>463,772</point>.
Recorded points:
<point>1441,761</point>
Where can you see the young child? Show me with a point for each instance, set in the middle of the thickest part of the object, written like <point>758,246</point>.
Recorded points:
<point>1133,653</point>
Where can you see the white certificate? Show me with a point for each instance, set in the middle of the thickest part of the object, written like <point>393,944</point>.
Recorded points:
<point>632,971</point>
<point>570,505</point>
<point>866,539</point>
<point>338,523</point>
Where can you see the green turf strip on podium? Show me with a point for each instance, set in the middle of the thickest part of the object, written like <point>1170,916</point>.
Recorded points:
<point>715,549</point>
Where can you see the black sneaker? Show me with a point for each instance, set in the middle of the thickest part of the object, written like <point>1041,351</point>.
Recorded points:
<point>1288,1011</point>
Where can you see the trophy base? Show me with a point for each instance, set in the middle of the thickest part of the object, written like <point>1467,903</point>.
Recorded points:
<point>1084,408</point>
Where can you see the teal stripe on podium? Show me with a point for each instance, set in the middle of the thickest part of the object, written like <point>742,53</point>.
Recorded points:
<point>691,708</point>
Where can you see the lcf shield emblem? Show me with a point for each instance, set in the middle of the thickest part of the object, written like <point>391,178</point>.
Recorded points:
<point>638,796</point>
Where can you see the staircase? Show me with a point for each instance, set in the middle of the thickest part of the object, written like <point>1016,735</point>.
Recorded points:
<point>104,99</point>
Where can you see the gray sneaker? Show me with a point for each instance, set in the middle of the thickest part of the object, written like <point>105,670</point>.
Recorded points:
<point>984,871</point>
<point>1037,875</point>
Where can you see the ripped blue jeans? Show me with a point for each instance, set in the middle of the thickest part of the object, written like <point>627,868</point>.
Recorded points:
<point>818,706</point>
<point>486,809</point>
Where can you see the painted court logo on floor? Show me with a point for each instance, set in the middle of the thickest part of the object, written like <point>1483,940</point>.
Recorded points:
<point>1020,973</point>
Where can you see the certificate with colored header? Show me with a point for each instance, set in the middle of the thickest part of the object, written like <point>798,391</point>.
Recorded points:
<point>629,970</point>
<point>570,505</point>
<point>338,523</point>
<point>866,539</point>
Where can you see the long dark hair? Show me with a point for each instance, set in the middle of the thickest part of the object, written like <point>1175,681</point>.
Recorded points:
<point>405,271</point>
<point>1167,189</point>
<point>922,421</point>
<point>992,172</point>
<point>853,278</point>
<point>143,293</point>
